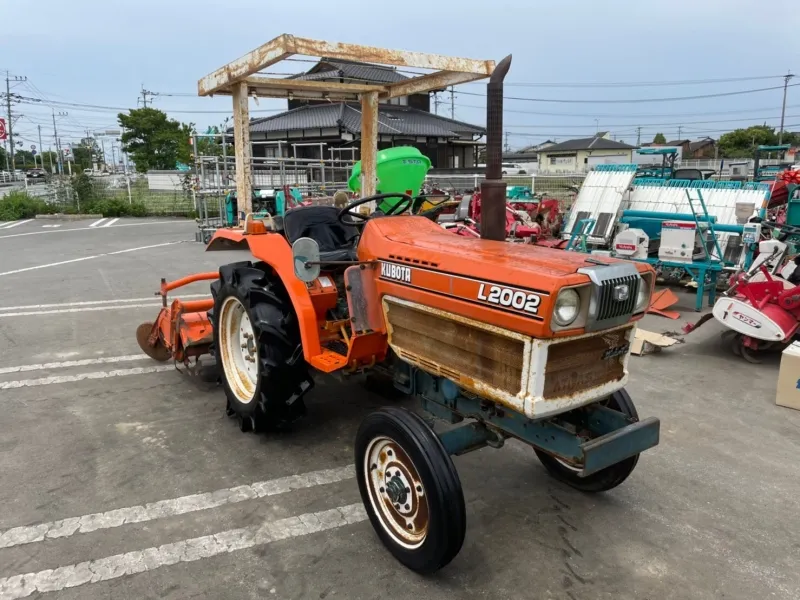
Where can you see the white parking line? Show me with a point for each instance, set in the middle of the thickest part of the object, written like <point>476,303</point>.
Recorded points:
<point>16,224</point>
<point>77,310</point>
<point>103,360</point>
<point>90,303</point>
<point>50,226</point>
<point>191,550</point>
<point>20,383</point>
<point>170,508</point>
<point>3,237</point>
<point>83,258</point>
<point>96,223</point>
<point>110,223</point>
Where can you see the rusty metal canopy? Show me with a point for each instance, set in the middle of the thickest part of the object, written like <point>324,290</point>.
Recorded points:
<point>448,71</point>
<point>241,80</point>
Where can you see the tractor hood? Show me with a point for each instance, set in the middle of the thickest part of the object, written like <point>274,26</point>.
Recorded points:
<point>425,244</point>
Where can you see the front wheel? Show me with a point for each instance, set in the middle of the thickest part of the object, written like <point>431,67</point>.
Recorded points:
<point>607,478</point>
<point>410,489</point>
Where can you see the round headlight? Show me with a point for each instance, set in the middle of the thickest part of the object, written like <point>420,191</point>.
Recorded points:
<point>568,305</point>
<point>643,295</point>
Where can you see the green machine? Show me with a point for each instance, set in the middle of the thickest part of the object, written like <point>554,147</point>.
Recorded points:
<point>400,170</point>
<point>768,173</point>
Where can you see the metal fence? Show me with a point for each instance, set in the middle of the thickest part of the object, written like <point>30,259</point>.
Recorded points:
<point>561,187</point>
<point>313,177</point>
<point>114,194</point>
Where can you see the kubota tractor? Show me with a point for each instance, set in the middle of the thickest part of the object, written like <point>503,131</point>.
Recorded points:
<point>507,340</point>
<point>521,341</point>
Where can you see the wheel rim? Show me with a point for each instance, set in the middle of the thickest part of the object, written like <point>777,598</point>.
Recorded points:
<point>239,350</point>
<point>396,493</point>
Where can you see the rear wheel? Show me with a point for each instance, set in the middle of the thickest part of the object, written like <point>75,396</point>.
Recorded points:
<point>410,489</point>
<point>605,479</point>
<point>257,347</point>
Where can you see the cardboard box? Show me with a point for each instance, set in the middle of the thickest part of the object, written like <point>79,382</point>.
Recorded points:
<point>789,378</point>
<point>648,342</point>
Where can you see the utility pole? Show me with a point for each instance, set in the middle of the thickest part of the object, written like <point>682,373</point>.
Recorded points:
<point>507,147</point>
<point>453,103</point>
<point>145,94</point>
<point>436,103</point>
<point>786,79</point>
<point>639,136</point>
<point>58,144</point>
<point>41,148</point>
<point>680,129</point>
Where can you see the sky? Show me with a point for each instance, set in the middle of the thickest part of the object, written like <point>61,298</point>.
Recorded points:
<point>578,65</point>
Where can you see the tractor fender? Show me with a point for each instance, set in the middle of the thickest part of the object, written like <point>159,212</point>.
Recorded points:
<point>274,250</point>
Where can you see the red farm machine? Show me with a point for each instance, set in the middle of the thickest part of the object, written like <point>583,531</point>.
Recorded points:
<point>505,340</point>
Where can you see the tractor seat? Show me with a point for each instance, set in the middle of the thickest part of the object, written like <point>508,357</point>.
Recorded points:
<point>321,223</point>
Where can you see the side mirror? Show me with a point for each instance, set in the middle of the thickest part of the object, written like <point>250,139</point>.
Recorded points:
<point>305,253</point>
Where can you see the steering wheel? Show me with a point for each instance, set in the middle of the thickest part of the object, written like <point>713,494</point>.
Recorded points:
<point>405,202</point>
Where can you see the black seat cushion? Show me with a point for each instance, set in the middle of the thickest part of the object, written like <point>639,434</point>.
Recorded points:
<point>320,223</point>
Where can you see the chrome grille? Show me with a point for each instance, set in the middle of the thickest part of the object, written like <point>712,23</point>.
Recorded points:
<point>606,308</point>
<point>611,308</point>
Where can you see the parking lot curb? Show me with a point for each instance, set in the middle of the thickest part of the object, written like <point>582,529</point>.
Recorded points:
<point>63,217</point>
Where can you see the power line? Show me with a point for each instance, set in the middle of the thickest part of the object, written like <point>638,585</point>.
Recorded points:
<point>590,133</point>
<point>641,83</point>
<point>637,116</point>
<point>749,119</point>
<point>95,107</point>
<point>638,100</point>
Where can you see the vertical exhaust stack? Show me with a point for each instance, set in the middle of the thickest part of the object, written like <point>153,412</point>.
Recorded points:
<point>493,189</point>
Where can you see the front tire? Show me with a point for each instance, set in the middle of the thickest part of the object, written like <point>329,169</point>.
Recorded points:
<point>607,478</point>
<point>410,489</point>
<point>258,349</point>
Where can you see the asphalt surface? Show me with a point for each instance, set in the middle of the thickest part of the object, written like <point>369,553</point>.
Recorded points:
<point>110,458</point>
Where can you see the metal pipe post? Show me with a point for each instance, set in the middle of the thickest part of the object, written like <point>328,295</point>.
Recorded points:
<point>225,152</point>
<point>493,188</point>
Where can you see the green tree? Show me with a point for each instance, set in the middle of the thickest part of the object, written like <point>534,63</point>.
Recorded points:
<point>3,156</point>
<point>23,159</point>
<point>45,157</point>
<point>659,139</point>
<point>153,140</point>
<point>741,143</point>
<point>83,158</point>
<point>210,146</point>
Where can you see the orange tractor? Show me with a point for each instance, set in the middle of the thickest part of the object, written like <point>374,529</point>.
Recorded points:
<point>515,341</point>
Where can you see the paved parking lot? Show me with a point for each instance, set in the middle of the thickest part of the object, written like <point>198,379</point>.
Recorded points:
<point>122,478</point>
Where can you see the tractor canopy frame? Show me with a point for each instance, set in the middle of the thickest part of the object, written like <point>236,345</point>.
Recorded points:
<point>240,80</point>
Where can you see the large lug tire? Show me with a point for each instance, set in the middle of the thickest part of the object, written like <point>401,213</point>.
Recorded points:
<point>410,489</point>
<point>257,347</point>
<point>607,478</point>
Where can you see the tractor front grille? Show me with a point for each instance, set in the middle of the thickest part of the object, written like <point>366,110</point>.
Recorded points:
<point>586,362</point>
<point>614,291</point>
<point>609,307</point>
<point>445,344</point>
